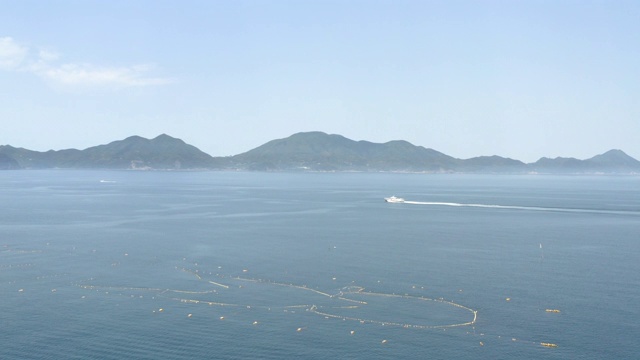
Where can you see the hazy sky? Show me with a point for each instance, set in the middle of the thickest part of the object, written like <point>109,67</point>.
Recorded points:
<point>521,79</point>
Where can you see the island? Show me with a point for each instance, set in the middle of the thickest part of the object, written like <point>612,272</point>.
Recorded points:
<point>305,151</point>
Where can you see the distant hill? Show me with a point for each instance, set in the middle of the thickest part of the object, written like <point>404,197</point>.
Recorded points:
<point>322,152</point>
<point>162,152</point>
<point>306,151</point>
<point>317,151</point>
<point>492,164</point>
<point>613,161</point>
<point>8,163</point>
<point>559,164</point>
<point>135,152</point>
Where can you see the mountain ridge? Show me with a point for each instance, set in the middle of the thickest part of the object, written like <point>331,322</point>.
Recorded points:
<point>303,151</point>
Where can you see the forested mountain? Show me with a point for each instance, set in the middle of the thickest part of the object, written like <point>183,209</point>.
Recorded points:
<point>307,151</point>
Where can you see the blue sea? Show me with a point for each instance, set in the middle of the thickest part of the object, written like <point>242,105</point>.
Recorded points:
<point>238,265</point>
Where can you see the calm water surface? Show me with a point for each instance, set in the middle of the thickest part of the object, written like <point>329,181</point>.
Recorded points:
<point>184,265</point>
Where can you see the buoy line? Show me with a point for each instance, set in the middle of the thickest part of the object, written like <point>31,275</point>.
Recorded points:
<point>344,294</point>
<point>360,291</point>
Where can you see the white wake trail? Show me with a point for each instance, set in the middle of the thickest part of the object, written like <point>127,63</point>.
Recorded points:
<point>529,208</point>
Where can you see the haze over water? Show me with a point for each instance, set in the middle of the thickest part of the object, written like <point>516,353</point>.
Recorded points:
<point>183,265</point>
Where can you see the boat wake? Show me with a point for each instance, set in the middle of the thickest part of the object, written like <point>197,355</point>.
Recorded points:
<point>528,208</point>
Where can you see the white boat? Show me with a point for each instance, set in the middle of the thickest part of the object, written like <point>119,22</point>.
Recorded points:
<point>394,199</point>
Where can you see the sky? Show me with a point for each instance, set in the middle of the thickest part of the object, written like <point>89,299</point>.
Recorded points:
<point>519,79</point>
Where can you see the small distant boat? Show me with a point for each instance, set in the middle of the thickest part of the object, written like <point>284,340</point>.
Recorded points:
<point>394,199</point>
<point>548,344</point>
